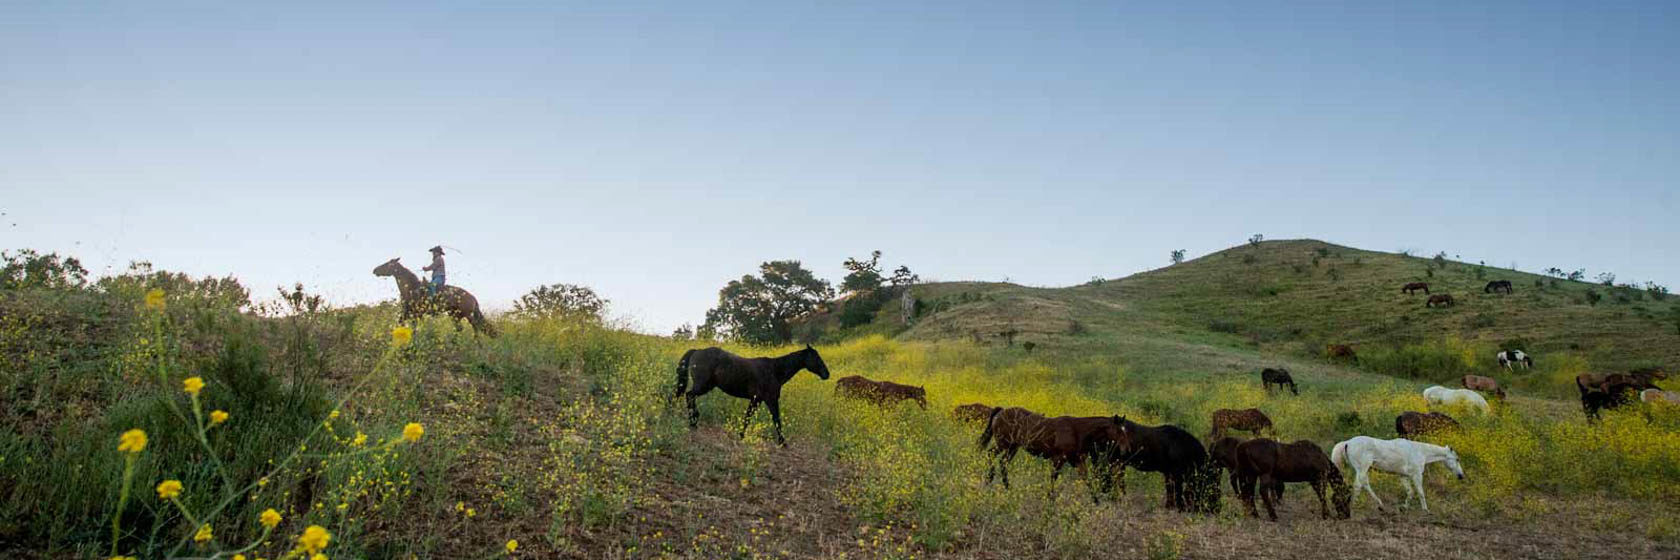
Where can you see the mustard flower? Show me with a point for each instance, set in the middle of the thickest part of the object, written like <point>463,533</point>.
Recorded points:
<point>361,438</point>
<point>204,534</point>
<point>218,416</point>
<point>413,431</point>
<point>400,336</point>
<point>132,441</point>
<point>318,556</point>
<point>239,557</point>
<point>512,545</point>
<point>314,539</point>
<point>154,299</point>
<point>269,518</point>
<point>168,489</point>
<point>192,385</point>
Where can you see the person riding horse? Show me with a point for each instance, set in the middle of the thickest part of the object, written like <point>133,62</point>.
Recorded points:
<point>436,268</point>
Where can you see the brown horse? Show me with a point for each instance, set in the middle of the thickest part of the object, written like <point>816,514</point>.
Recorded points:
<point>1191,480</point>
<point>1441,300</point>
<point>1341,351</point>
<point>1250,420</point>
<point>1223,454</point>
<point>1484,384</point>
<point>1268,464</point>
<point>759,380</point>
<point>1610,390</point>
<point>1279,377</point>
<point>1063,440</point>
<point>1411,424</point>
<point>972,412</point>
<point>1497,286</point>
<point>882,393</point>
<point>1413,287</point>
<point>416,301</point>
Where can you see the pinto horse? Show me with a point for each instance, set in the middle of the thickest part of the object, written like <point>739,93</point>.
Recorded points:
<point>1441,300</point>
<point>1180,458</point>
<point>1063,440</point>
<point>1409,425</point>
<point>1279,377</point>
<point>759,380</point>
<point>1413,287</point>
<point>416,301</point>
<point>1497,286</point>
<point>882,393</point>
<point>1269,464</point>
<point>1403,457</point>
<point>1250,420</point>
<point>1484,384</point>
<point>1508,358</point>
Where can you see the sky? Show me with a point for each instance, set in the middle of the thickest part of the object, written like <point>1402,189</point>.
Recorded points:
<point>655,151</point>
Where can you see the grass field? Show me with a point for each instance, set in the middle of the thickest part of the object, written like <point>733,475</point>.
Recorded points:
<point>558,434</point>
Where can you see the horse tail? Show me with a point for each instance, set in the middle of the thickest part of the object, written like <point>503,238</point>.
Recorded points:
<point>682,372</point>
<point>480,323</point>
<point>991,420</point>
<point>1338,454</point>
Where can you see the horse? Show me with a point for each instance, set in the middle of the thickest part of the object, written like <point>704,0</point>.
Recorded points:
<point>1340,351</point>
<point>1508,358</point>
<point>1413,287</point>
<point>416,301</point>
<point>1223,454</point>
<point>1411,424</point>
<point>972,412</point>
<point>1611,390</point>
<point>1250,420</point>
<point>1438,395</point>
<point>1177,455</point>
<point>759,380</point>
<point>1484,384</point>
<point>1269,464</point>
<point>1442,300</point>
<point>882,393</point>
<point>1402,457</point>
<point>1497,286</point>
<point>1279,377</point>
<point>1062,440</point>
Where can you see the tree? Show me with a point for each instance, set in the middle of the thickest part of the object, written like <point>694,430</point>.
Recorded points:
<point>760,309</point>
<point>1177,256</point>
<point>903,277</point>
<point>29,269</point>
<point>864,276</point>
<point>569,301</point>
<point>225,292</point>
<point>684,332</point>
<point>1607,278</point>
<point>1577,275</point>
<point>1256,239</point>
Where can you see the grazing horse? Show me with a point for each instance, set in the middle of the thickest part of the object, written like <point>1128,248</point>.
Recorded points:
<point>1413,287</point>
<point>1341,351</point>
<point>972,412</point>
<point>1508,358</point>
<point>1062,440</point>
<point>1497,286</point>
<point>1223,454</point>
<point>1250,420</point>
<point>1411,424</point>
<point>1177,455</point>
<point>1441,300</point>
<point>882,393</point>
<point>1279,377</point>
<point>1659,396</point>
<point>1402,457</point>
<point>1442,396</point>
<point>1611,390</point>
<point>759,380</point>
<point>1484,384</point>
<point>416,301</point>
<point>1269,464</point>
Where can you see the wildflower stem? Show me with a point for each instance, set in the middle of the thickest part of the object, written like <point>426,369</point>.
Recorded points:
<point>122,501</point>
<point>247,548</point>
<point>188,514</point>
<point>198,430</point>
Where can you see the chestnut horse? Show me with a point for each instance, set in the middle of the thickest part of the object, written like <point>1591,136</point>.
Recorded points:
<point>1063,440</point>
<point>1411,424</point>
<point>1413,287</point>
<point>1249,420</point>
<point>1484,384</point>
<point>416,301</point>
<point>882,393</point>
<point>1442,300</point>
<point>1269,464</point>
<point>972,412</point>
<point>1610,390</point>
<point>759,380</point>
<point>1341,351</point>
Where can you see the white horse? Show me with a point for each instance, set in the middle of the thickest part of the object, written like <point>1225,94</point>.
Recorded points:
<point>1442,396</point>
<point>1517,357</point>
<point>1403,457</point>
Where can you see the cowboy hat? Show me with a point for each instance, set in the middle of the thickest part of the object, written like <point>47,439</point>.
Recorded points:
<point>437,249</point>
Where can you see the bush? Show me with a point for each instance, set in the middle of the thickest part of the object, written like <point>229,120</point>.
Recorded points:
<point>562,301</point>
<point>1592,297</point>
<point>1432,361</point>
<point>860,309</point>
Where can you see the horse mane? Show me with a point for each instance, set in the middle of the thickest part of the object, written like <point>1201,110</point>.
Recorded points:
<point>788,365</point>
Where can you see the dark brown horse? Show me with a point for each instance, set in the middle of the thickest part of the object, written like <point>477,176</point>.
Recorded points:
<point>1497,286</point>
<point>1341,352</point>
<point>1413,287</point>
<point>1484,384</point>
<point>882,393</point>
<point>1249,419</point>
<point>416,301</point>
<point>759,380</point>
<point>1440,300</point>
<point>1063,440</point>
<point>1223,454</point>
<point>1611,390</point>
<point>1279,377</point>
<point>1409,425</point>
<point>972,412</point>
<point>1192,482</point>
<point>1267,464</point>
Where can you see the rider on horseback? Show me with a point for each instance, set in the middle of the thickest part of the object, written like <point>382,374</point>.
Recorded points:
<point>436,269</point>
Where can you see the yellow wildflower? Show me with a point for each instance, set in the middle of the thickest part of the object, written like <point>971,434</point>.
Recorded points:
<point>413,431</point>
<point>333,415</point>
<point>122,558</point>
<point>269,518</point>
<point>168,489</point>
<point>154,299</point>
<point>192,385</point>
<point>132,441</point>
<point>261,482</point>
<point>204,534</point>
<point>471,513</point>
<point>218,416</point>
<point>239,557</point>
<point>400,336</point>
<point>361,438</point>
<point>314,539</point>
<point>512,545</point>
<point>318,556</point>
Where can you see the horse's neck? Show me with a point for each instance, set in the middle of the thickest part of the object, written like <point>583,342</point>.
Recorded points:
<point>788,366</point>
<point>407,282</point>
<point>1431,452</point>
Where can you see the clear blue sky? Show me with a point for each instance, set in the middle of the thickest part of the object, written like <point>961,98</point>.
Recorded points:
<point>654,152</point>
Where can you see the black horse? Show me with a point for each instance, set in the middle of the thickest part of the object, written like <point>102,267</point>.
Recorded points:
<point>1279,377</point>
<point>1192,480</point>
<point>1497,286</point>
<point>755,379</point>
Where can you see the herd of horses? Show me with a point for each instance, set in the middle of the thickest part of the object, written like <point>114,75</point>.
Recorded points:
<point>1446,300</point>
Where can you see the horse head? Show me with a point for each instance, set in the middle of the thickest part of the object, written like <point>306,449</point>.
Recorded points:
<point>1340,495</point>
<point>1452,462</point>
<point>814,362</point>
<point>390,268</point>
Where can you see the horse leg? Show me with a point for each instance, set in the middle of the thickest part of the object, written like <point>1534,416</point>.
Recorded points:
<point>1266,485</point>
<point>1362,479</point>
<point>1417,480</point>
<point>693,412</point>
<point>776,418</point>
<point>1323,504</point>
<point>1055,471</point>
<point>1407,482</point>
<point>992,464</point>
<point>752,406</point>
<point>1246,493</point>
<point>1003,464</point>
